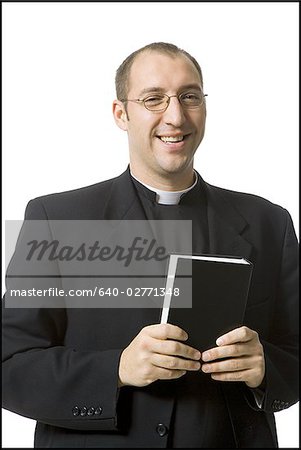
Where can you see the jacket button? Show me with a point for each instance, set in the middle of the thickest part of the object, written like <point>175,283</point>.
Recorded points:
<point>84,411</point>
<point>98,411</point>
<point>91,411</point>
<point>75,411</point>
<point>161,429</point>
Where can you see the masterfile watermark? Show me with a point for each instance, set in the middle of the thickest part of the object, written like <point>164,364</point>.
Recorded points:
<point>124,262</point>
<point>141,249</point>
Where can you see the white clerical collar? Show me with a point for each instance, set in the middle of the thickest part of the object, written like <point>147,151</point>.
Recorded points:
<point>168,197</point>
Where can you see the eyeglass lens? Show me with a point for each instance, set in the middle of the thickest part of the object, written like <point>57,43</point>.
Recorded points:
<point>160,102</point>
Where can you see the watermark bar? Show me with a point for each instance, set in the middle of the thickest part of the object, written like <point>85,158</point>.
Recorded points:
<point>94,264</point>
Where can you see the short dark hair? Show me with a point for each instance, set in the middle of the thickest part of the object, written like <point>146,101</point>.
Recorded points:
<point>123,71</point>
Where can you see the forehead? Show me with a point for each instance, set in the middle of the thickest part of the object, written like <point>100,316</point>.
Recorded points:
<point>169,72</point>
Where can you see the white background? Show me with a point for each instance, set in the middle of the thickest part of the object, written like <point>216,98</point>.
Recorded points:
<point>59,63</point>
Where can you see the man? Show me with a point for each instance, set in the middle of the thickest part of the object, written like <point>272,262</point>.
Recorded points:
<point>116,378</point>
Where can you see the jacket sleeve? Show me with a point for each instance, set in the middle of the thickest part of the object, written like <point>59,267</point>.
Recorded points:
<point>282,352</point>
<point>281,347</point>
<point>47,381</point>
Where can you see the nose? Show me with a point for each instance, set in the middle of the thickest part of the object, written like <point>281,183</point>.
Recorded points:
<point>174,114</point>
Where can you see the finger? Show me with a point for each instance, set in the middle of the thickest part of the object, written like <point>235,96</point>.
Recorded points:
<point>168,374</point>
<point>229,365</point>
<point>242,334</point>
<point>166,331</point>
<point>242,375</point>
<point>173,363</point>
<point>226,351</point>
<point>175,348</point>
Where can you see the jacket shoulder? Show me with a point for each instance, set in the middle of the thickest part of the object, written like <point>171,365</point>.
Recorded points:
<point>247,201</point>
<point>81,203</point>
<point>255,210</point>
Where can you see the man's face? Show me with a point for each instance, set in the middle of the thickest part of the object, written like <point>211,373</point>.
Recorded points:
<point>152,155</point>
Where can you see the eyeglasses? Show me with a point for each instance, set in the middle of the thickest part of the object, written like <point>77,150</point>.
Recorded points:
<point>160,102</point>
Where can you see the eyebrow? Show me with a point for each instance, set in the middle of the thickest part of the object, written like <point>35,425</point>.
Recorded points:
<point>159,89</point>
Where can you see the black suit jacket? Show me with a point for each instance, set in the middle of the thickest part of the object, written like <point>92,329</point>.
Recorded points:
<point>60,366</point>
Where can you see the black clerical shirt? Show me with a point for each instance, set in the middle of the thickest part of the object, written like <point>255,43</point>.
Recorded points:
<point>192,206</point>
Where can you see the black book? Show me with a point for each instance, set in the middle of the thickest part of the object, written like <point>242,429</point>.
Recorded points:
<point>206,296</point>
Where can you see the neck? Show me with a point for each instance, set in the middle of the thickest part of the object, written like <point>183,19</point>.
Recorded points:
<point>168,182</point>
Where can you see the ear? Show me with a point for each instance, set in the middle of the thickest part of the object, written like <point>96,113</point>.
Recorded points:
<point>120,115</point>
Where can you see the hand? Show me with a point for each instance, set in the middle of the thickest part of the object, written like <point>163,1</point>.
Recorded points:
<point>156,354</point>
<point>244,358</point>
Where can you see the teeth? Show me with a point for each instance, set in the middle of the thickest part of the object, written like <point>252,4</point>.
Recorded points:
<point>172,138</point>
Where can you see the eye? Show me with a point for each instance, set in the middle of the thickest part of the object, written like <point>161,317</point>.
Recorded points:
<point>190,95</point>
<point>191,98</point>
<point>154,100</point>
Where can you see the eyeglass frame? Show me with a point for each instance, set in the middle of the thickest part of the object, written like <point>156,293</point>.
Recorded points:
<point>142,100</point>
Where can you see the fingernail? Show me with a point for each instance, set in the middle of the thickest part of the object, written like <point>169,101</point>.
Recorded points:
<point>206,368</point>
<point>219,341</point>
<point>206,356</point>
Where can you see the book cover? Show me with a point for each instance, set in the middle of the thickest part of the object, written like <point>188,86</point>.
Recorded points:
<point>206,296</point>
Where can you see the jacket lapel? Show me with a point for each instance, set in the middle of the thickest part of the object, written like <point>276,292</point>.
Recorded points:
<point>226,226</point>
<point>123,202</point>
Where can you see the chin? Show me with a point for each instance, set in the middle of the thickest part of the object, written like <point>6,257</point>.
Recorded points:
<point>174,167</point>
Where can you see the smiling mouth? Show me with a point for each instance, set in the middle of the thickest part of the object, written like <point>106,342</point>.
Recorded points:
<point>172,139</point>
